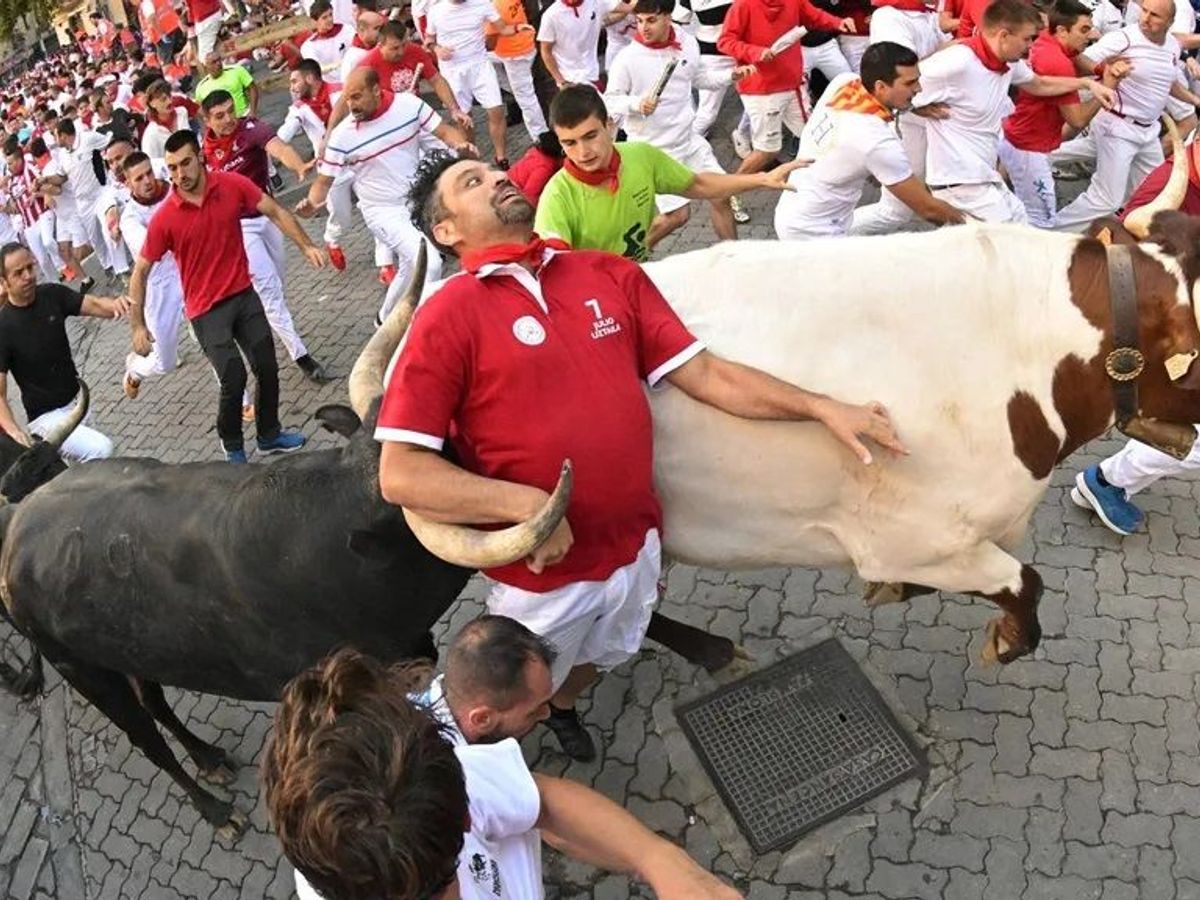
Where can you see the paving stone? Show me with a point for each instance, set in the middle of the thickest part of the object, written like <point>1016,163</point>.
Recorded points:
<point>1044,836</point>
<point>1083,696</point>
<point>1065,763</point>
<point>1150,710</point>
<point>1155,881</point>
<point>945,851</point>
<point>1048,714</point>
<point>990,821</point>
<point>910,880</point>
<point>1137,830</point>
<point>1005,866</point>
<point>1081,803</point>
<point>1100,862</point>
<point>1042,887</point>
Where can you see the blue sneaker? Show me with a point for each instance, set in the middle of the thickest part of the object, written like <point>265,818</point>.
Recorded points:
<point>1110,503</point>
<point>284,442</point>
<point>235,456</point>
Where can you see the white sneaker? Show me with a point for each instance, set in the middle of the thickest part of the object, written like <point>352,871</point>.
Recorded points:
<point>741,143</point>
<point>741,215</point>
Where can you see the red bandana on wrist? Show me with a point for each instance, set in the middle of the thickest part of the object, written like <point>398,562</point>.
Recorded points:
<point>984,53</point>
<point>572,5</point>
<point>595,179</point>
<point>672,42</point>
<point>500,254</point>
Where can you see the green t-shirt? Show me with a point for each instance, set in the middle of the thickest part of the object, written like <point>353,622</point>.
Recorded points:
<point>234,79</point>
<point>594,218</point>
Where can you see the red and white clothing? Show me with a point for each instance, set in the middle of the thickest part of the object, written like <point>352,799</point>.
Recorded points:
<point>154,137</point>
<point>399,76</point>
<point>245,153</point>
<point>458,25</point>
<point>328,50</point>
<point>163,309</point>
<point>574,30</point>
<point>579,342</point>
<point>963,149</point>
<point>37,220</point>
<point>205,16</point>
<point>850,137</point>
<point>382,154</point>
<point>1124,141</point>
<point>1034,130</point>
<point>354,54</point>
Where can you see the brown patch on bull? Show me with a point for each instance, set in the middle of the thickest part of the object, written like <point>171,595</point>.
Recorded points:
<point>1018,632</point>
<point>1034,441</point>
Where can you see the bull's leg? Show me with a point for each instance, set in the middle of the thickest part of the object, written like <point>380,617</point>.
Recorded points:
<point>693,644</point>
<point>1018,631</point>
<point>213,763</point>
<point>112,694</point>
<point>878,593</point>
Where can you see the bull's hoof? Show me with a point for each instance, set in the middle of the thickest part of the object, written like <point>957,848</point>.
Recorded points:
<point>1001,647</point>
<point>879,593</point>
<point>719,653</point>
<point>221,773</point>
<point>234,827</point>
<point>26,684</point>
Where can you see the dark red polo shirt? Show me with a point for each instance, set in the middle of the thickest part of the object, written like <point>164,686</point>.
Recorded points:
<point>522,374</point>
<point>206,240</point>
<point>243,152</point>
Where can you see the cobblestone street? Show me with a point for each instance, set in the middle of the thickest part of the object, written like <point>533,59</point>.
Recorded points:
<point>1074,773</point>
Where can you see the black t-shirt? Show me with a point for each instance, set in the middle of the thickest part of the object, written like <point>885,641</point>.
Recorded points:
<point>34,348</point>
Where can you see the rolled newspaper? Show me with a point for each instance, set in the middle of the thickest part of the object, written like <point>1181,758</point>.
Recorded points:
<point>788,38</point>
<point>415,87</point>
<point>661,86</point>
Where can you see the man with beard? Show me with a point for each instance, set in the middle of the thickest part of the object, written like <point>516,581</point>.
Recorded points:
<point>576,336</point>
<point>245,145</point>
<point>163,309</point>
<point>380,145</point>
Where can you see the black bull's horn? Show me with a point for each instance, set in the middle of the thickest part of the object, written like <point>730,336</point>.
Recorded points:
<point>56,437</point>
<point>468,547</point>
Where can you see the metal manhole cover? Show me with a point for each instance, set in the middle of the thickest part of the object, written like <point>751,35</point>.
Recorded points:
<point>798,744</point>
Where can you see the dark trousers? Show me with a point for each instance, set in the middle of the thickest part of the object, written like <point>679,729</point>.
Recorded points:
<point>238,322</point>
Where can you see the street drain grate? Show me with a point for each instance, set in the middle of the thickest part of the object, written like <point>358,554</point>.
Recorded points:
<point>798,744</point>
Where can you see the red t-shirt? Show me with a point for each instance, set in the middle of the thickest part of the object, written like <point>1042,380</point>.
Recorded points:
<point>199,10</point>
<point>484,360</point>
<point>397,77</point>
<point>1036,124</point>
<point>970,14</point>
<point>206,240</point>
<point>531,172</point>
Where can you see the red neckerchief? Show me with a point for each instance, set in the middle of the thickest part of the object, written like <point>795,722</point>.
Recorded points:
<point>501,254</point>
<point>332,32</point>
<point>357,42</point>
<point>167,121</point>
<point>595,179</point>
<point>572,5</point>
<point>984,54</point>
<point>905,5</point>
<point>671,43</point>
<point>162,192</point>
<point>384,104</point>
<point>321,104</point>
<point>217,147</point>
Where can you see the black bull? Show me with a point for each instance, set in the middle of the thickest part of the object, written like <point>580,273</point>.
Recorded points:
<point>131,574</point>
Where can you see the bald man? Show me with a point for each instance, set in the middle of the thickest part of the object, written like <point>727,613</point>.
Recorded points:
<point>1124,140</point>
<point>379,143</point>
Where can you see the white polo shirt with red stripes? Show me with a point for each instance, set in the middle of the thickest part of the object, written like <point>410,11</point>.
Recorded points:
<point>382,151</point>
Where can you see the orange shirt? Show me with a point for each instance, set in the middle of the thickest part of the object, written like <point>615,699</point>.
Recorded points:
<point>512,12</point>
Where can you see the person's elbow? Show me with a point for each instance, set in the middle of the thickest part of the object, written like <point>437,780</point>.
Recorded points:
<point>400,473</point>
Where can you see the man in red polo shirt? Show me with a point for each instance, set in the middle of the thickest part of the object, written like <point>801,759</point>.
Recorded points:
<point>1034,130</point>
<point>576,336</point>
<point>200,223</point>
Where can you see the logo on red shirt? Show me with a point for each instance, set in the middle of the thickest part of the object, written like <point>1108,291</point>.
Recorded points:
<point>529,331</point>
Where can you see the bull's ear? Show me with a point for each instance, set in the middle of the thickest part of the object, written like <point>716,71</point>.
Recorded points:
<point>339,419</point>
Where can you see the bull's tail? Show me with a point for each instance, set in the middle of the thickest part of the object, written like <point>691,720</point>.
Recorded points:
<point>26,682</point>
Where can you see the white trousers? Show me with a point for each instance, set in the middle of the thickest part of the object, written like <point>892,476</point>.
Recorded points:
<point>709,100</point>
<point>991,201</point>
<point>392,226</point>
<point>340,205</point>
<point>518,70</point>
<point>164,315</point>
<point>268,262</point>
<point>1033,182</point>
<point>82,445</point>
<point>1125,154</point>
<point>206,34</point>
<point>40,239</point>
<point>890,213</point>
<point>827,58</point>
<point>1136,466</point>
<point>853,47</point>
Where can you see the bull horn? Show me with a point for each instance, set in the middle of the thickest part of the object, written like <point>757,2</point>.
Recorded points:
<point>473,548</point>
<point>56,437</point>
<point>1173,192</point>
<point>366,378</point>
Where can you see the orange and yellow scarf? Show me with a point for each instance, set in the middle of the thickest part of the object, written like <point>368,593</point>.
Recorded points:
<point>853,97</point>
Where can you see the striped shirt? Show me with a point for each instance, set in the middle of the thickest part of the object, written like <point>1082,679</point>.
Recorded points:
<point>21,190</point>
<point>382,151</point>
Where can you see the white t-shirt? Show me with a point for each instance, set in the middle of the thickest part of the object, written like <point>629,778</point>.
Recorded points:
<point>847,147</point>
<point>300,117</point>
<point>76,163</point>
<point>458,24</point>
<point>1142,94</point>
<point>154,138</point>
<point>1105,16</point>
<point>575,32</point>
<point>328,51</point>
<point>918,31</point>
<point>351,58</point>
<point>383,152</point>
<point>135,220</point>
<point>963,148</point>
<point>633,76</point>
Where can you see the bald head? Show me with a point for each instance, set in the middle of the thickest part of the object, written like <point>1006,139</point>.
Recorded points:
<point>1156,19</point>
<point>362,93</point>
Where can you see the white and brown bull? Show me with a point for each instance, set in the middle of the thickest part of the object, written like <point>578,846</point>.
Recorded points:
<point>987,343</point>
